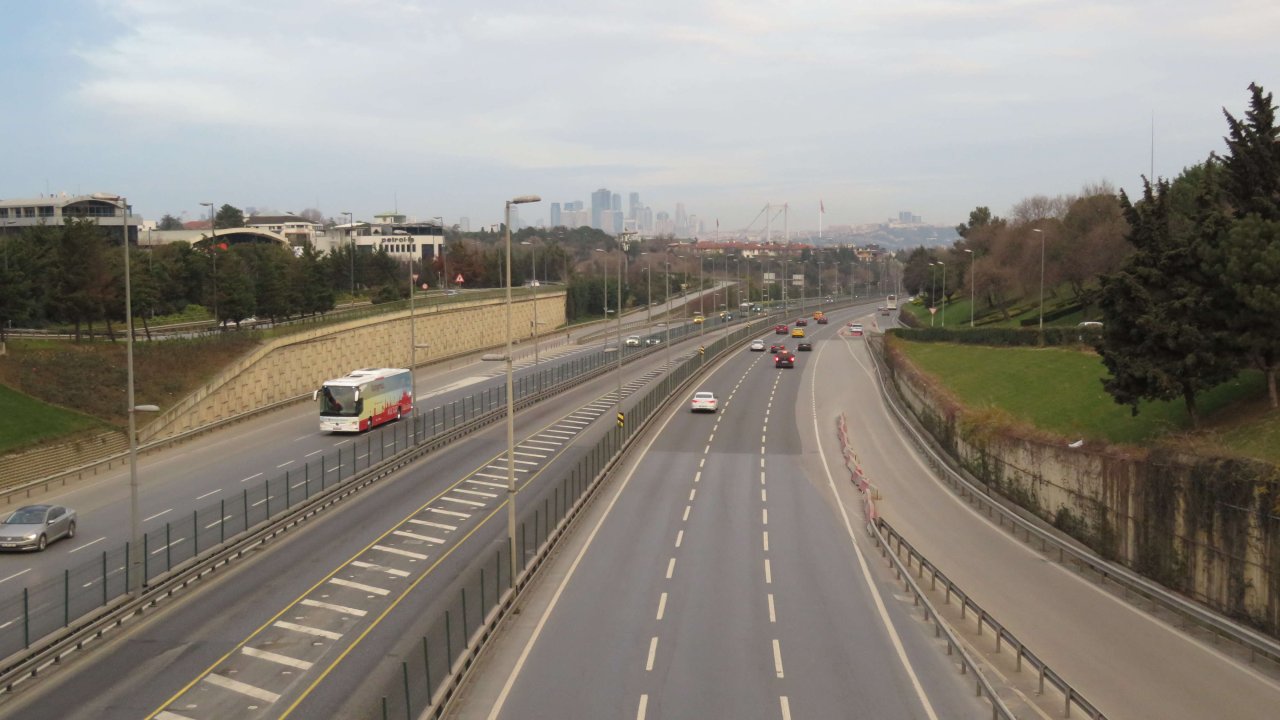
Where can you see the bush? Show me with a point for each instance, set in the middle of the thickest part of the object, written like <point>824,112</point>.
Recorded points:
<point>995,336</point>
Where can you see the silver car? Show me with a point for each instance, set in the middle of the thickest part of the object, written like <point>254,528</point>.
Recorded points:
<point>33,527</point>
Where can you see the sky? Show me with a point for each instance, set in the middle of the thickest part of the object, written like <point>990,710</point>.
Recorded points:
<point>451,107</point>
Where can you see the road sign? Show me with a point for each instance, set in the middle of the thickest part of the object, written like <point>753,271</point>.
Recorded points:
<point>933,311</point>
<point>458,279</point>
<point>622,420</point>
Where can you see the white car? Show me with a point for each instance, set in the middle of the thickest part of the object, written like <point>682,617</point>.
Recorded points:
<point>757,346</point>
<point>633,341</point>
<point>704,401</point>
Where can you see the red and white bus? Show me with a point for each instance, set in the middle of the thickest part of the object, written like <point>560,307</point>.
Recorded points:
<point>364,399</point>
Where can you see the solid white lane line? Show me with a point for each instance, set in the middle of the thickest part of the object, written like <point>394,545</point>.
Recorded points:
<point>153,517</point>
<point>416,536</point>
<point>773,616</point>
<point>768,572</point>
<point>644,703</point>
<point>786,708</point>
<point>255,475</point>
<point>336,608</point>
<point>211,492</point>
<point>450,513</point>
<point>91,542</point>
<point>777,657</point>
<point>383,568</point>
<point>398,551</point>
<point>276,658</point>
<point>671,568</point>
<point>653,650</point>
<point>687,508</point>
<point>359,586</point>
<point>21,572</point>
<point>428,523</point>
<point>256,693</point>
<point>679,538</point>
<point>766,541</point>
<point>662,605</point>
<point>307,630</point>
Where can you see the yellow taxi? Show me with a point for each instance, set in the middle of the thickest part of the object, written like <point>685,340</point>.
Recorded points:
<point>797,332</point>
<point>697,318</point>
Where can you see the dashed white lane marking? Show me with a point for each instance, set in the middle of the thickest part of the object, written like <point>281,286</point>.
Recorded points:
<point>697,476</point>
<point>153,517</point>
<point>21,572</point>
<point>762,478</point>
<point>662,605</point>
<point>276,658</point>
<point>416,536</point>
<point>166,715</point>
<point>460,501</point>
<point>256,693</point>
<point>475,492</point>
<point>687,508</point>
<point>211,492</point>
<point>486,483</point>
<point>671,568</point>
<point>653,650</point>
<point>255,475</point>
<point>491,476</point>
<point>383,568</point>
<point>558,432</point>
<point>428,523</point>
<point>359,586</point>
<point>761,459</point>
<point>693,492</point>
<point>450,513</point>
<point>336,608</point>
<point>91,542</point>
<point>398,551</point>
<point>706,449</point>
<point>702,463</point>
<point>517,462</point>
<point>768,572</point>
<point>644,703</point>
<point>765,513</point>
<point>552,443</point>
<point>773,617</point>
<point>766,541</point>
<point>287,462</point>
<point>317,452</point>
<point>764,495</point>
<point>786,708</point>
<point>777,657</point>
<point>679,538</point>
<point>529,454</point>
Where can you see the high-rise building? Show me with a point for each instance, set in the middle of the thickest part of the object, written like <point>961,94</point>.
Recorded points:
<point>464,224</point>
<point>682,221</point>
<point>575,206</point>
<point>555,214</point>
<point>601,200</point>
<point>615,202</point>
<point>633,206</point>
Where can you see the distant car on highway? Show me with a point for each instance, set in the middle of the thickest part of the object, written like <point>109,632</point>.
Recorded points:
<point>781,329</point>
<point>632,341</point>
<point>654,340</point>
<point>704,401</point>
<point>855,329</point>
<point>697,318</point>
<point>784,360</point>
<point>33,527</point>
<point>777,348</point>
<point>822,320</point>
<point>797,333</point>
<point>757,346</point>
<point>801,322</point>
<point>805,346</point>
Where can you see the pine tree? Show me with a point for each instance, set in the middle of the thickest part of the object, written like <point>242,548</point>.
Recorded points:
<point>1252,162</point>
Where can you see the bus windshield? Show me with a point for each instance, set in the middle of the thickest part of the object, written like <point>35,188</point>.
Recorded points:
<point>339,401</point>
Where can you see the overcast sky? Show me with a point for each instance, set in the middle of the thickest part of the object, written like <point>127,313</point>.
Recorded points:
<point>448,108</point>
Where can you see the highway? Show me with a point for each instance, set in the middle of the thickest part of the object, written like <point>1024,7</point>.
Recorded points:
<point>722,580</point>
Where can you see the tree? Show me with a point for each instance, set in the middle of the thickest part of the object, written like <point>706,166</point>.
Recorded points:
<point>313,215</point>
<point>1252,164</point>
<point>169,222</point>
<point>978,217</point>
<point>1161,337</point>
<point>1249,257</point>
<point>1093,231</point>
<point>228,217</point>
<point>235,289</point>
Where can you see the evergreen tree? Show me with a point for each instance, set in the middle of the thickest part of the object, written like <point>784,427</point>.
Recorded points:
<point>1162,338</point>
<point>1252,163</point>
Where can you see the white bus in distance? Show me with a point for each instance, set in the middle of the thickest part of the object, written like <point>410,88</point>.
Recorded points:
<point>364,399</point>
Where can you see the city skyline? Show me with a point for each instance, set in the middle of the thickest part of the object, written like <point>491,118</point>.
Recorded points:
<point>939,107</point>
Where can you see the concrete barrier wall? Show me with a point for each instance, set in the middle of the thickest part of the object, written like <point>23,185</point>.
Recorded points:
<point>46,460</point>
<point>288,367</point>
<point>1203,526</point>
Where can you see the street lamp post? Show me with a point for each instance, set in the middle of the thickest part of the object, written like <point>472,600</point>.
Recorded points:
<point>933,292</point>
<point>352,238</point>
<point>973,280</point>
<point>1041,233</point>
<point>511,404</point>
<point>136,558</point>
<point>943,263</point>
<point>444,260</point>
<point>624,241</point>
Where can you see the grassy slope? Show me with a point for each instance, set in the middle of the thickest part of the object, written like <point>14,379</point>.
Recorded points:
<point>26,421</point>
<point>1059,390</point>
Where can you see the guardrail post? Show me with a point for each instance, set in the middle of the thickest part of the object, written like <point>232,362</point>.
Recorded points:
<point>408,707</point>
<point>104,576</point>
<point>126,565</point>
<point>146,558</point>
<point>266,490</point>
<point>66,597</point>
<point>288,499</point>
<point>466,631</point>
<point>426,665</point>
<point>195,532</point>
<point>245,494</point>
<point>168,545</point>
<point>222,520</point>
<point>26,616</point>
<point>448,639</point>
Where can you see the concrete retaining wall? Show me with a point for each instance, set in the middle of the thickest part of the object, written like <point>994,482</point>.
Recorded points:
<point>1206,527</point>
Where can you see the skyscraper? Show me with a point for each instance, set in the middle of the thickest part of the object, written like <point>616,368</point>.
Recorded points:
<point>633,206</point>
<point>601,200</point>
<point>682,221</point>
<point>555,215</point>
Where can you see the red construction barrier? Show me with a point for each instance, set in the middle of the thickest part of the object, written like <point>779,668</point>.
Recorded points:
<point>856,476</point>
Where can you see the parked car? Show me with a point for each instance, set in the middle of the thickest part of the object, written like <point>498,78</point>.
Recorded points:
<point>804,347</point>
<point>632,341</point>
<point>757,346</point>
<point>704,401</point>
<point>784,360</point>
<point>33,527</point>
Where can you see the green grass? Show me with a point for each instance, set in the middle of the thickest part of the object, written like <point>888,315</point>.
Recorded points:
<point>26,421</point>
<point>1060,391</point>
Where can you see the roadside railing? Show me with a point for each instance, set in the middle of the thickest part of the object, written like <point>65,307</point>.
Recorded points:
<point>899,546</point>
<point>981,496</point>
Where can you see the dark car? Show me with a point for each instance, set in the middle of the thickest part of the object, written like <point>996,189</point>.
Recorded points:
<point>777,348</point>
<point>781,330</point>
<point>822,320</point>
<point>33,527</point>
<point>802,322</point>
<point>804,347</point>
<point>784,360</point>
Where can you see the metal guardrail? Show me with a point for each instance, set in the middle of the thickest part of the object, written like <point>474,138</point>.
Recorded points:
<point>981,495</point>
<point>1003,636</point>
